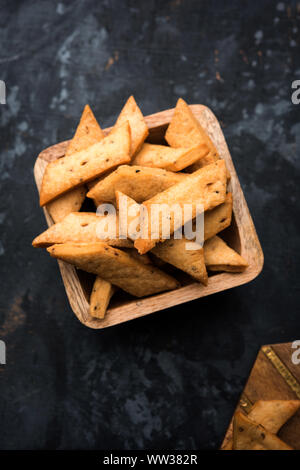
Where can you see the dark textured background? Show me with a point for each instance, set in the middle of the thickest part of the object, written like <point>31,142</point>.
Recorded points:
<point>172,379</point>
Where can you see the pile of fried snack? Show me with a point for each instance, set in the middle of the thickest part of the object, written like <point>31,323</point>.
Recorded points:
<point>258,430</point>
<point>104,167</point>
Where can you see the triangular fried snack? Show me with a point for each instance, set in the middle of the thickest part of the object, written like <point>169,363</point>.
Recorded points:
<point>172,251</point>
<point>205,187</point>
<point>116,267</point>
<point>220,257</point>
<point>138,182</point>
<point>139,129</point>
<point>87,133</point>
<point>81,227</point>
<point>101,294</point>
<point>74,170</point>
<point>67,203</point>
<point>172,159</point>
<point>129,216</point>
<point>248,435</point>
<point>185,130</point>
<point>218,218</point>
<point>175,252</point>
<point>272,414</point>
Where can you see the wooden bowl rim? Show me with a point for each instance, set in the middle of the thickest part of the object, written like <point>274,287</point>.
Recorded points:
<point>250,245</point>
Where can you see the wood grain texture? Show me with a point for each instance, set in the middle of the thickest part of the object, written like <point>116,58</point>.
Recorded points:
<point>241,236</point>
<point>266,383</point>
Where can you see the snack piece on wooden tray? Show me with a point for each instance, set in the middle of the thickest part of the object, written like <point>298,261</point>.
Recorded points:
<point>172,159</point>
<point>87,133</point>
<point>67,203</point>
<point>205,187</point>
<point>173,251</point>
<point>116,267</point>
<point>82,227</point>
<point>74,170</point>
<point>271,414</point>
<point>138,182</point>
<point>219,218</point>
<point>129,216</point>
<point>220,257</point>
<point>185,130</point>
<point>215,220</point>
<point>139,129</point>
<point>101,294</point>
<point>248,435</point>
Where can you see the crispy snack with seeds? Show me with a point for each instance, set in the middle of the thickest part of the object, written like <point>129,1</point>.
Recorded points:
<point>116,267</point>
<point>173,251</point>
<point>81,227</point>
<point>67,203</point>
<point>219,218</point>
<point>220,257</point>
<point>185,130</point>
<point>129,216</point>
<point>139,129</point>
<point>248,435</point>
<point>88,133</point>
<point>205,187</point>
<point>74,170</point>
<point>101,294</point>
<point>271,414</point>
<point>172,159</point>
<point>215,220</point>
<point>138,182</point>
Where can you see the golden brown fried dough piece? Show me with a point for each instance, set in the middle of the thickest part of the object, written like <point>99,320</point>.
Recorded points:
<point>272,414</point>
<point>116,267</point>
<point>101,294</point>
<point>129,215</point>
<point>168,158</point>
<point>185,130</point>
<point>87,133</point>
<point>70,172</point>
<point>67,203</point>
<point>80,227</point>
<point>220,257</point>
<point>248,435</point>
<point>175,252</point>
<point>138,182</point>
<point>218,219</point>
<point>139,129</point>
<point>206,187</point>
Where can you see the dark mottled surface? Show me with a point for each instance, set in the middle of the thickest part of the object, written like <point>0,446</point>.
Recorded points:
<point>172,379</point>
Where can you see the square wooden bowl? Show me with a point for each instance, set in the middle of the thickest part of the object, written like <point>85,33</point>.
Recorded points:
<point>241,236</point>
